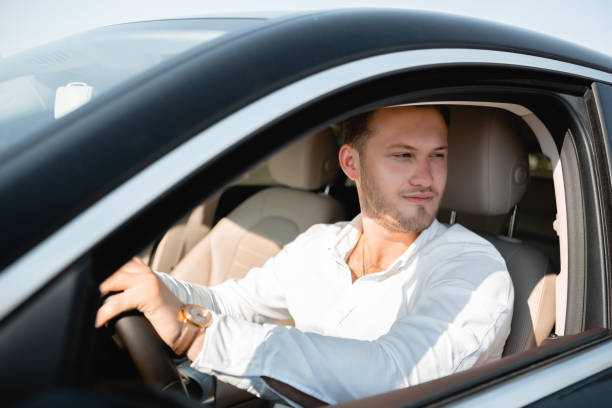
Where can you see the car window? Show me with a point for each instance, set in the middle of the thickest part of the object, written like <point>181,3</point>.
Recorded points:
<point>540,166</point>
<point>48,82</point>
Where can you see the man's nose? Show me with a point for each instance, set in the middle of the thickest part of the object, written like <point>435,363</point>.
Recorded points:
<point>422,176</point>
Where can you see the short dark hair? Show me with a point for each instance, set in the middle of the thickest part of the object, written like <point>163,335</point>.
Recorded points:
<point>355,129</point>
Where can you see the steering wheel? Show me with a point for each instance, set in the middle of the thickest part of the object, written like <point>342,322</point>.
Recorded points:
<point>149,353</point>
<point>152,359</point>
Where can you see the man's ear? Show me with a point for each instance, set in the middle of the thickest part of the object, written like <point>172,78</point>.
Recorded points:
<point>348,157</point>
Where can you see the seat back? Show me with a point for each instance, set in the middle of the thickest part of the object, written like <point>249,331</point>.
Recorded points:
<point>487,175</point>
<point>259,227</point>
<point>534,293</point>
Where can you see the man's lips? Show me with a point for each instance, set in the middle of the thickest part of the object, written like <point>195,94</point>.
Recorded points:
<point>419,198</point>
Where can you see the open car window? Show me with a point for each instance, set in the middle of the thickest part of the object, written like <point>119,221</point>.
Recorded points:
<point>538,203</point>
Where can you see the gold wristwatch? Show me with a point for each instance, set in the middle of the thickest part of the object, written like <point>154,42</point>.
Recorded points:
<point>195,320</point>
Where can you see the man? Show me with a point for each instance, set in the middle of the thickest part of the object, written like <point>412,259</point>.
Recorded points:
<point>389,300</point>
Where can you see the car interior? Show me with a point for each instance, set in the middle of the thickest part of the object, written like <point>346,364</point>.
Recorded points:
<point>500,185</point>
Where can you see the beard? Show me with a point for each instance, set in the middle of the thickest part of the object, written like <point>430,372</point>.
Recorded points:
<point>374,205</point>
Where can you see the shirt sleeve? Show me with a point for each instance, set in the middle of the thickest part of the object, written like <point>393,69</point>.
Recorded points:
<point>259,297</point>
<point>461,318</point>
<point>190,293</point>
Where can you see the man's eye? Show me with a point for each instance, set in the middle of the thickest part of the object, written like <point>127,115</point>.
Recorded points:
<point>438,155</point>
<point>403,155</point>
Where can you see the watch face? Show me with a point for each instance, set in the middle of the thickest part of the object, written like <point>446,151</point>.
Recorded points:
<point>197,315</point>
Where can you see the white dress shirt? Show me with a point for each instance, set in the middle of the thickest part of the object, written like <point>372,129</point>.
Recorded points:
<point>443,306</point>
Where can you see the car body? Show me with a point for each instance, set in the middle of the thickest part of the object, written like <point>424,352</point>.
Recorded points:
<point>83,193</point>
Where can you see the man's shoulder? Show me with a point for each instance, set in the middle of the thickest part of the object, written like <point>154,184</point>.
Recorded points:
<point>326,234</point>
<point>461,254</point>
<point>459,241</point>
<point>460,235</point>
<point>322,231</point>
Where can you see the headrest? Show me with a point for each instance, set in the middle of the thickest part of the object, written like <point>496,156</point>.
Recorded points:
<point>308,164</point>
<point>487,163</point>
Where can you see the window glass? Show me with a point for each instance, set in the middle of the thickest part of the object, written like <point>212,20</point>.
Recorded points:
<point>540,166</point>
<point>43,84</point>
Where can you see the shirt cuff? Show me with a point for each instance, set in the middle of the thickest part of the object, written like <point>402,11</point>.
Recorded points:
<point>231,346</point>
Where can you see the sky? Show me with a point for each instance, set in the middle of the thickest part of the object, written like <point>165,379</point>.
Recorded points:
<point>28,23</point>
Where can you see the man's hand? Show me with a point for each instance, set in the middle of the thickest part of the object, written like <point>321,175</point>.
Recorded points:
<point>141,289</point>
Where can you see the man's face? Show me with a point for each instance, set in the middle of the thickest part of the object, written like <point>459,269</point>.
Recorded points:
<point>402,168</point>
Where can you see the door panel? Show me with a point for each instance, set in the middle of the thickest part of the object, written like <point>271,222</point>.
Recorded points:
<point>45,341</point>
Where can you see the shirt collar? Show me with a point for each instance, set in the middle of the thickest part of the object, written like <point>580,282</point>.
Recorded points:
<point>349,236</point>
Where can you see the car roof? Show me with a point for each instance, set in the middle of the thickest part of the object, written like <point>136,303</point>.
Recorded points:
<point>365,31</point>
<point>375,28</point>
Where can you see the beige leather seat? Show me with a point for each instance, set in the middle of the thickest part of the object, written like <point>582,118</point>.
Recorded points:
<point>259,227</point>
<point>487,175</point>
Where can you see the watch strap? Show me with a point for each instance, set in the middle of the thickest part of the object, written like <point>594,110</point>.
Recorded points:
<point>186,338</point>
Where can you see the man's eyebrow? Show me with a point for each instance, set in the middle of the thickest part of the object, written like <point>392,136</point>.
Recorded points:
<point>408,147</point>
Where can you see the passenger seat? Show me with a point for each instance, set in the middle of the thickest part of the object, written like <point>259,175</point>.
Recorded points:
<point>259,227</point>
